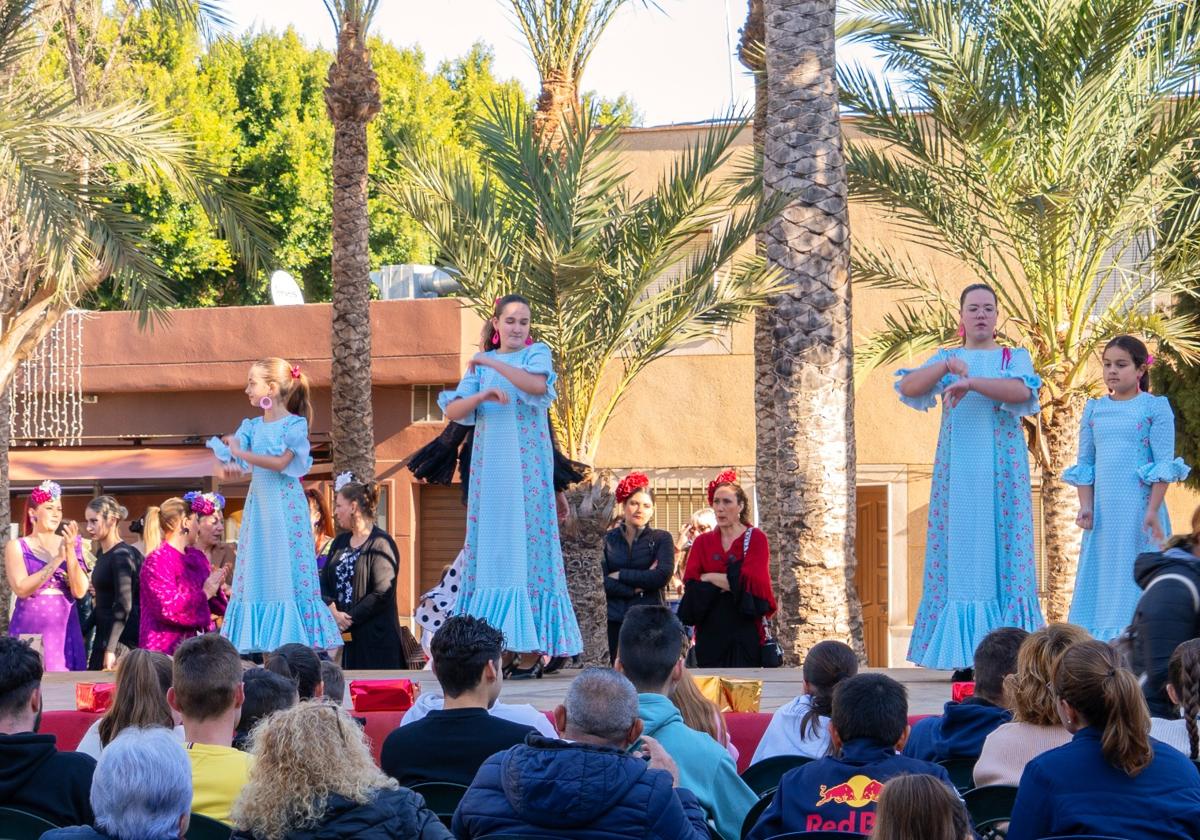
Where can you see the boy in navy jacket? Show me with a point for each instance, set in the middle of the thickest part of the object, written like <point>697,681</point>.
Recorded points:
<point>868,726</point>
<point>963,727</point>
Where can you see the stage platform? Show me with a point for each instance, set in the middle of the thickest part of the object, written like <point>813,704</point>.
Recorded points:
<point>927,690</point>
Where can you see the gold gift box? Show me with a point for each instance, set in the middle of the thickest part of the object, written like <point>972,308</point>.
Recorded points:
<point>731,694</point>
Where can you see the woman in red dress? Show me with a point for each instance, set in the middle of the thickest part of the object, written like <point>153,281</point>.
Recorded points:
<point>727,593</point>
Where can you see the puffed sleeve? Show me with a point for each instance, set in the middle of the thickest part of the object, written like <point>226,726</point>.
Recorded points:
<point>295,440</point>
<point>468,386</point>
<point>1164,467</point>
<point>1020,366</point>
<point>243,434</point>
<point>928,400</point>
<point>1083,472</point>
<point>536,359</point>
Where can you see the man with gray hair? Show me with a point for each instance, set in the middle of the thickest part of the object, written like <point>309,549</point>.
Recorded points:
<point>591,784</point>
<point>142,790</point>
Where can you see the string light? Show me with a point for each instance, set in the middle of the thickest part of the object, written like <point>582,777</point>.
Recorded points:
<point>47,388</point>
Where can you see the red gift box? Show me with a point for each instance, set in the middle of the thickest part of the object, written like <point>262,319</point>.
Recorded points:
<point>382,695</point>
<point>93,697</point>
<point>960,691</point>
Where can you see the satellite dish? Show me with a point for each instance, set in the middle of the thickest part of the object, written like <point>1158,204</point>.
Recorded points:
<point>285,291</point>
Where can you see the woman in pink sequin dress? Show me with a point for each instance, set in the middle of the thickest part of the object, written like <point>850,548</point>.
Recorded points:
<point>47,573</point>
<point>180,592</point>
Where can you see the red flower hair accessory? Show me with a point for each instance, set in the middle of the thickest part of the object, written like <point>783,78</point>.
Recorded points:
<point>726,477</point>
<point>44,492</point>
<point>295,371</point>
<point>630,484</point>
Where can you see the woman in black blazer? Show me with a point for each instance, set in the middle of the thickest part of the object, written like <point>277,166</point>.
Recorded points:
<point>638,559</point>
<point>359,581</point>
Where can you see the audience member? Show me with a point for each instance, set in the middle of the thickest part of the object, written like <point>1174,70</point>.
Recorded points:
<point>700,713</point>
<point>920,807</point>
<point>265,693</point>
<point>1183,687</point>
<point>334,680</point>
<point>868,728</point>
<point>34,775</point>
<point>584,787</point>
<point>314,777</point>
<point>1036,726</point>
<point>650,653</point>
<point>450,745</point>
<point>142,790</point>
<point>139,699</point>
<point>301,665</point>
<point>801,726</point>
<point>962,728</point>
<point>1112,779</point>
<point>207,692</point>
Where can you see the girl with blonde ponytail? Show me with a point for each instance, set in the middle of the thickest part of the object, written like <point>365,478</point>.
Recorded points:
<point>1111,779</point>
<point>276,599</point>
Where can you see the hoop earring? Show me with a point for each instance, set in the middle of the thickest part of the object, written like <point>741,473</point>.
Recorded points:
<point>495,339</point>
<point>265,403</point>
<point>528,340</point>
<point>962,331</point>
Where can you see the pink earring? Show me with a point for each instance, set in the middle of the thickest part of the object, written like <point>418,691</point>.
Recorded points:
<point>528,340</point>
<point>962,331</point>
<point>265,403</point>
<point>495,339</point>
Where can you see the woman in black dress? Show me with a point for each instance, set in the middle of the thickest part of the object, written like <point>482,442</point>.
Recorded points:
<point>359,580</point>
<point>638,559</point>
<point>115,580</point>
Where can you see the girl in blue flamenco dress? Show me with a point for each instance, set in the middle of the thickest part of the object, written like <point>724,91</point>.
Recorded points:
<point>512,573</point>
<point>980,568</point>
<point>1126,460</point>
<point>276,597</point>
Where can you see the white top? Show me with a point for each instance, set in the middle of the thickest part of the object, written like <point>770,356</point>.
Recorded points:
<point>783,733</point>
<point>90,743</point>
<point>521,713</point>
<point>1010,747</point>
<point>1171,732</point>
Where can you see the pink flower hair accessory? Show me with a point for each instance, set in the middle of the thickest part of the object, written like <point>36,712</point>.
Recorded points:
<point>295,371</point>
<point>45,492</point>
<point>1150,360</point>
<point>726,477</point>
<point>204,504</point>
<point>630,484</point>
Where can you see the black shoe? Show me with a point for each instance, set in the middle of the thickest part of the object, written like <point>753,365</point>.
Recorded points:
<point>533,672</point>
<point>963,675</point>
<point>557,663</point>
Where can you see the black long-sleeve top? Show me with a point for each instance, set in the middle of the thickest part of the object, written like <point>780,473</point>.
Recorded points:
<point>646,565</point>
<point>375,627</point>
<point>115,579</point>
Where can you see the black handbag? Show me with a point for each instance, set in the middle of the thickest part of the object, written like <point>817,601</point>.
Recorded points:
<point>771,653</point>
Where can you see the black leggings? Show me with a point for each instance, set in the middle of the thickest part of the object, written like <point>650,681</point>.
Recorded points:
<point>614,632</point>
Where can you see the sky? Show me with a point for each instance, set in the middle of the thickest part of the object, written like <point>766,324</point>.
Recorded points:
<point>674,63</point>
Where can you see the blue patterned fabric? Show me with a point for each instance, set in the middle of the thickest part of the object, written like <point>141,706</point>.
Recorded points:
<point>276,598</point>
<point>980,568</point>
<point>512,563</point>
<point>1124,447</point>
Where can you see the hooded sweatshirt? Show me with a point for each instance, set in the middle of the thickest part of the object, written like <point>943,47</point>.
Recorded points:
<point>1167,614</point>
<point>36,777</point>
<point>550,788</point>
<point>705,768</point>
<point>958,733</point>
<point>391,815</point>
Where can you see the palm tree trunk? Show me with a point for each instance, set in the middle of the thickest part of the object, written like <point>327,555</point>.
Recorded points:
<point>591,502</point>
<point>811,350</point>
<point>557,102</point>
<point>1060,506</point>
<point>352,100</point>
<point>5,504</point>
<point>751,54</point>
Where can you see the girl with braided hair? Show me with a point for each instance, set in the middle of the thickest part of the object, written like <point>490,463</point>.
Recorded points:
<point>1183,687</point>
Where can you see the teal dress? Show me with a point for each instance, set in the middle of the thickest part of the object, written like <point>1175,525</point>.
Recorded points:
<point>1125,446</point>
<point>276,598</point>
<point>980,567</point>
<point>512,561</point>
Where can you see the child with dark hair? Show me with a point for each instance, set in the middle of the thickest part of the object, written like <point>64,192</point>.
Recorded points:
<point>1112,779</point>
<point>266,692</point>
<point>961,729</point>
<point>300,666</point>
<point>1126,460</point>
<point>1183,688</point>
<point>334,680</point>
<point>868,727</point>
<point>801,726</point>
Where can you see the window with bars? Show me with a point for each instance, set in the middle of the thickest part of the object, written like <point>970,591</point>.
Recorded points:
<point>425,403</point>
<point>1125,274</point>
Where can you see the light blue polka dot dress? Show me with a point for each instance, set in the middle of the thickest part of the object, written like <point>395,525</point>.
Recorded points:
<point>980,568</point>
<point>1125,446</point>
<point>512,562</point>
<point>276,597</point>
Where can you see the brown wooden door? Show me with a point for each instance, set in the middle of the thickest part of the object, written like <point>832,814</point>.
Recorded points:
<point>871,543</point>
<point>443,528</point>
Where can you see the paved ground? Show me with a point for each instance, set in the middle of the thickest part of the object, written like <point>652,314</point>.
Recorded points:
<point>927,690</point>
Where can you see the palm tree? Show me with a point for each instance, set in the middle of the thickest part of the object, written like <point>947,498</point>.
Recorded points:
<point>562,35</point>
<point>352,100</point>
<point>64,227</point>
<point>616,281</point>
<point>1048,155</point>
<point>805,381</point>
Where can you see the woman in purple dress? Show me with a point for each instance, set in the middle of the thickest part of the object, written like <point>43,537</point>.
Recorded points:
<point>46,572</point>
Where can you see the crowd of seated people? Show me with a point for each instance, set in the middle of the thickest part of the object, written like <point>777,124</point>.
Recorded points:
<point>269,751</point>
